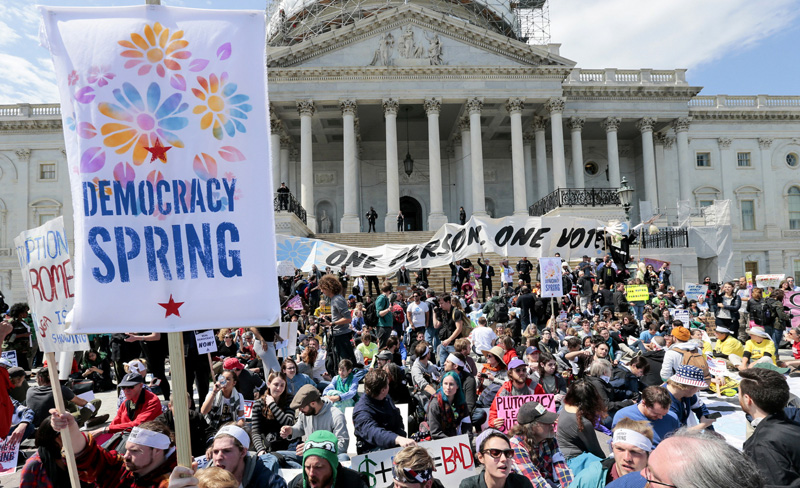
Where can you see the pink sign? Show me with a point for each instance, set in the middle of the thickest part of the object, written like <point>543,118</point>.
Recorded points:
<point>508,406</point>
<point>791,300</point>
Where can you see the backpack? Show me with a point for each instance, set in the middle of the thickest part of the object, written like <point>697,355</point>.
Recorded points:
<point>399,314</point>
<point>501,312</point>
<point>767,314</point>
<point>371,315</point>
<point>694,358</point>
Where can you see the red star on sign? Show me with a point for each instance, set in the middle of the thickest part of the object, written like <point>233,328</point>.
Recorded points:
<point>158,151</point>
<point>171,307</point>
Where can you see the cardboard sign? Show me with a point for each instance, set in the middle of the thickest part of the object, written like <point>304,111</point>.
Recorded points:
<point>288,332</point>
<point>717,367</point>
<point>682,315</point>
<point>694,290</point>
<point>452,461</point>
<point>248,408</point>
<point>508,406</point>
<point>295,303</point>
<point>637,293</point>
<point>551,277</point>
<point>767,280</point>
<point>48,277</point>
<point>205,342</point>
<point>8,457</point>
<point>748,275</point>
<point>286,268</point>
<point>11,356</point>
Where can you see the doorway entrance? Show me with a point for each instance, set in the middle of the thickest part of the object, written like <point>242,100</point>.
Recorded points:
<point>412,211</point>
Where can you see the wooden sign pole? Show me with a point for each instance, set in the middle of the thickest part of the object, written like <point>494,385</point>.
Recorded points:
<point>180,404</point>
<point>72,466</point>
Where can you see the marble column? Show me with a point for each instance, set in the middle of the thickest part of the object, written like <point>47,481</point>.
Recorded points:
<point>527,153</point>
<point>286,143</point>
<point>350,222</point>
<point>769,196</point>
<point>390,108</point>
<point>539,128</point>
<point>275,152</point>
<point>474,106</point>
<point>436,218</point>
<point>685,169</point>
<point>457,161</point>
<point>306,110</point>
<point>611,125</point>
<point>555,106</point>
<point>575,125</point>
<point>514,107</point>
<point>645,126</point>
<point>727,159</point>
<point>466,162</point>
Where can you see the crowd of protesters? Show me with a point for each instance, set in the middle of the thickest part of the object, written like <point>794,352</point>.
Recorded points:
<point>622,370</point>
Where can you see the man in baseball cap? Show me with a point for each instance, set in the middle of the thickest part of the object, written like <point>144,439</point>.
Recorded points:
<point>247,383</point>
<point>518,384</point>
<point>316,413</point>
<point>534,429</point>
<point>321,468</point>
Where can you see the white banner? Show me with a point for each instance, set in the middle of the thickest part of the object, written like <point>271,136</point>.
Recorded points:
<point>509,236</point>
<point>452,461</point>
<point>48,278</point>
<point>287,347</point>
<point>767,280</point>
<point>165,122</point>
<point>550,272</point>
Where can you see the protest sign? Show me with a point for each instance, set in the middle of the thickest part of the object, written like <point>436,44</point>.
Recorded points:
<point>248,408</point>
<point>550,270</point>
<point>11,357</point>
<point>748,275</point>
<point>683,315</point>
<point>637,293</point>
<point>8,457</point>
<point>452,461</point>
<point>717,367</point>
<point>767,280</point>
<point>694,290</point>
<point>508,406</point>
<point>44,259</point>
<point>655,263</point>
<point>791,300</point>
<point>165,145</point>
<point>285,268</point>
<point>206,342</point>
<point>288,332</point>
<point>509,236</point>
<point>295,303</point>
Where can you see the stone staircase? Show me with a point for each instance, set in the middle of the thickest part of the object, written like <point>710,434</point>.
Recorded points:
<point>439,277</point>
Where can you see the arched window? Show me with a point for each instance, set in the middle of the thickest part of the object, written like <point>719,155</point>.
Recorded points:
<point>794,207</point>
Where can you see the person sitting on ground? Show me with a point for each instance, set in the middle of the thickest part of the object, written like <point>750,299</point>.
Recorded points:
<point>447,411</point>
<point>494,452</point>
<point>134,366</point>
<point>21,423</point>
<point>763,394</point>
<point>631,444</point>
<point>412,467</point>
<point>677,352</point>
<point>518,384</point>
<point>793,335</point>
<point>536,452</point>
<point>399,390</point>
<point>46,467</point>
<point>40,399</point>
<point>614,399</point>
<point>628,377</point>
<point>321,466</point>
<point>583,408</point>
<point>224,403</point>
<point>424,373</point>
<point>343,388</point>
<point>367,348</point>
<point>19,384</point>
<point>683,387</point>
<point>759,349</point>
<point>458,362</point>
<point>251,386</point>
<point>148,461</point>
<point>230,452</point>
<point>97,370</point>
<point>270,413</point>
<point>316,413</point>
<point>482,336</point>
<point>294,379</point>
<point>728,347</point>
<point>654,408</point>
<point>493,373</point>
<point>378,423</point>
<point>200,434</point>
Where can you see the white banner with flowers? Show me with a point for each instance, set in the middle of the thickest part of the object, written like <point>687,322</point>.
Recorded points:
<point>165,124</point>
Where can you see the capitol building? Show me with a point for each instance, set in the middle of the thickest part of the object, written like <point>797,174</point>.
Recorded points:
<point>427,106</point>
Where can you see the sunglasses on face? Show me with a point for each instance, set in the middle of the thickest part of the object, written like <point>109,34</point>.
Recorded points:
<point>496,453</point>
<point>127,387</point>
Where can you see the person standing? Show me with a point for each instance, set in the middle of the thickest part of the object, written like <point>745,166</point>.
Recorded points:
<point>283,197</point>
<point>340,319</point>
<point>462,216</point>
<point>524,267</point>
<point>383,305</point>
<point>372,216</point>
<point>400,221</point>
<point>487,273</point>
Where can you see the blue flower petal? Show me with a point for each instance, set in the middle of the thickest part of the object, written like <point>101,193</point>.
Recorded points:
<point>169,106</point>
<point>237,99</point>
<point>132,94</point>
<point>153,97</point>
<point>229,89</point>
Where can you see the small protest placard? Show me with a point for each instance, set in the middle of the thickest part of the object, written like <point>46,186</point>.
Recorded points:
<point>248,408</point>
<point>683,315</point>
<point>637,293</point>
<point>288,332</point>
<point>508,406</point>
<point>8,457</point>
<point>452,460</point>
<point>694,290</point>
<point>205,341</point>
<point>551,277</point>
<point>767,280</point>
<point>285,268</point>
<point>11,357</point>
<point>717,367</point>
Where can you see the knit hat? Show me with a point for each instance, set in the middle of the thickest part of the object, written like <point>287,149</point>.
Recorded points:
<point>681,333</point>
<point>689,375</point>
<point>324,444</point>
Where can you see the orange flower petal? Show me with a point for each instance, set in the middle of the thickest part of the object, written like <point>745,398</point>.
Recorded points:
<point>181,55</point>
<point>176,35</point>
<point>205,122</point>
<point>158,27</point>
<point>119,138</point>
<point>112,127</point>
<point>203,83</point>
<point>139,41</point>
<point>151,37</point>
<point>173,65</point>
<point>114,112</point>
<point>174,46</point>
<point>126,147</point>
<point>163,38</point>
<point>198,109</point>
<point>132,54</point>
<point>139,151</point>
<point>127,44</point>
<point>213,82</point>
<point>199,94</point>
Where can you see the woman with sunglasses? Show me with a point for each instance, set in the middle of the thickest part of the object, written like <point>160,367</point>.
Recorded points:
<point>496,455</point>
<point>294,379</point>
<point>447,410</point>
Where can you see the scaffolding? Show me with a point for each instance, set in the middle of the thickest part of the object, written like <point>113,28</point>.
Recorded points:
<point>294,21</point>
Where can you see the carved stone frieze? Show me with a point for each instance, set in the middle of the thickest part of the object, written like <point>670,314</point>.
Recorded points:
<point>538,124</point>
<point>764,142</point>
<point>275,126</point>
<point>474,106</point>
<point>23,154</point>
<point>682,124</point>
<point>724,142</point>
<point>348,107</point>
<point>325,178</point>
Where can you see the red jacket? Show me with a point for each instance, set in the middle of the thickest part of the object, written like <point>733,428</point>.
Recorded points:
<point>107,469</point>
<point>6,408</point>
<point>505,390</point>
<point>509,355</point>
<point>149,411</point>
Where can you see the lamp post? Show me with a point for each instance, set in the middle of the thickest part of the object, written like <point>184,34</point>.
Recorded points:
<point>625,194</point>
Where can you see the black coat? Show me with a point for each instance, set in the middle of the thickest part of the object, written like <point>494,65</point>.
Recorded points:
<point>620,302</point>
<point>345,478</point>
<point>775,450</point>
<point>613,398</point>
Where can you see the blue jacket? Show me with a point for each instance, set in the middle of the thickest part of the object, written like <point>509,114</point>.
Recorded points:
<point>298,381</point>
<point>377,424</point>
<point>593,475</point>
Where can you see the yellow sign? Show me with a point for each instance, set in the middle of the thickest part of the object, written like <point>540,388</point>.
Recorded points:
<point>637,293</point>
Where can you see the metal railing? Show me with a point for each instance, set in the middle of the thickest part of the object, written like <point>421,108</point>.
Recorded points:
<point>665,239</point>
<point>570,197</point>
<point>286,202</point>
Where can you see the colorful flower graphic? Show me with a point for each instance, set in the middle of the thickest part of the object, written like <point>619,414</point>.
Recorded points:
<point>294,249</point>
<point>73,78</point>
<point>157,49</point>
<point>222,108</point>
<point>100,75</point>
<point>140,122</point>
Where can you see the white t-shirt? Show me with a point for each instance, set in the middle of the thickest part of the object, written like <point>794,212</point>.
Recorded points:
<point>418,313</point>
<point>743,294</point>
<point>482,338</point>
<point>507,272</point>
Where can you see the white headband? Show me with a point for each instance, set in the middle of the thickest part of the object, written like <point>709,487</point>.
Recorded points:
<point>427,350</point>
<point>453,359</point>
<point>237,433</point>
<point>149,438</point>
<point>633,438</point>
